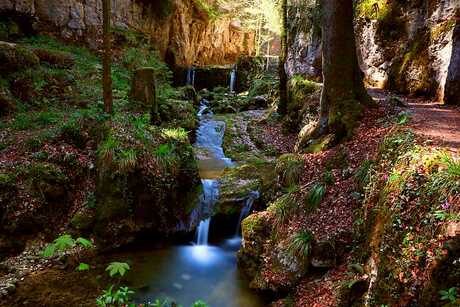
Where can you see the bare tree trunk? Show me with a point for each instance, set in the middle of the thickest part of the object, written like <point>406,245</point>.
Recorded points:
<point>282,106</point>
<point>107,78</point>
<point>343,96</point>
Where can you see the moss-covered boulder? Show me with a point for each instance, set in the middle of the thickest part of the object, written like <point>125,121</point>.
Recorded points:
<point>145,175</point>
<point>256,228</point>
<point>14,57</point>
<point>58,59</point>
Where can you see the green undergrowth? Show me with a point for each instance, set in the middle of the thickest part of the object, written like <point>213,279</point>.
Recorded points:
<point>412,194</point>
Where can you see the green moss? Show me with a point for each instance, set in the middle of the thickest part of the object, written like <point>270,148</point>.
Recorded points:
<point>441,29</point>
<point>211,11</point>
<point>7,179</point>
<point>303,102</point>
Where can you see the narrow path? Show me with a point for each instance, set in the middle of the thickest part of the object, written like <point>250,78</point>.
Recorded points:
<point>437,122</point>
<point>433,120</point>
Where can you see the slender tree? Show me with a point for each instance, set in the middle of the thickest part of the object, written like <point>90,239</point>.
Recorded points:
<point>107,78</point>
<point>282,106</point>
<point>343,96</point>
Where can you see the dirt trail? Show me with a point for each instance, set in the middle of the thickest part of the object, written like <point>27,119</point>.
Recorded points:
<point>433,120</point>
<point>437,122</point>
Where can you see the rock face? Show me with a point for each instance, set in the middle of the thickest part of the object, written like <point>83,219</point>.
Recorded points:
<point>407,47</point>
<point>184,33</point>
<point>452,90</point>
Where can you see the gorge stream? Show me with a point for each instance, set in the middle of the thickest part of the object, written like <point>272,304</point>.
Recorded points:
<point>200,271</point>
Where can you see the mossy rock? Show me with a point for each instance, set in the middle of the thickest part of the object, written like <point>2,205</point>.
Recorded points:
<point>303,103</point>
<point>236,184</point>
<point>83,220</point>
<point>14,57</point>
<point>256,228</point>
<point>55,58</point>
<point>48,180</point>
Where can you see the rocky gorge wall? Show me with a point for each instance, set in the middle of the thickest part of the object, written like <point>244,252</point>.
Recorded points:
<point>409,47</point>
<point>183,30</point>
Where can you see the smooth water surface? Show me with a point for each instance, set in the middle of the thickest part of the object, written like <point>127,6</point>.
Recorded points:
<point>186,274</point>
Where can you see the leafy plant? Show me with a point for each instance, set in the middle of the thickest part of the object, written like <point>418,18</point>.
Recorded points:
<point>110,297</point>
<point>117,268</point>
<point>64,243</point>
<point>83,267</point>
<point>363,172</point>
<point>300,244</point>
<point>315,195</point>
<point>449,295</point>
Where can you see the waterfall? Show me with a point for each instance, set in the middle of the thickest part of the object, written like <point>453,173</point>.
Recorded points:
<point>208,199</point>
<point>246,210</point>
<point>202,232</point>
<point>233,80</point>
<point>191,76</point>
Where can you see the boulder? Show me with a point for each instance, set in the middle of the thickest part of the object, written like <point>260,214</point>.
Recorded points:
<point>323,255</point>
<point>54,58</point>
<point>14,57</point>
<point>143,90</point>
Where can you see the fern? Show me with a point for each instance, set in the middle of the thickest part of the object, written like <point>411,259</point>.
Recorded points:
<point>117,268</point>
<point>64,243</point>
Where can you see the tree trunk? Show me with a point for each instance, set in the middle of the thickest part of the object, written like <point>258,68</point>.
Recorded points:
<point>107,78</point>
<point>343,95</point>
<point>282,106</point>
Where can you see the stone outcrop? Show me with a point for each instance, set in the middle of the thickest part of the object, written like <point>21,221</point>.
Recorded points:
<point>184,32</point>
<point>406,47</point>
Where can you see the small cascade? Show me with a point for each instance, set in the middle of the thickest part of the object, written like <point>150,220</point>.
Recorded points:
<point>191,76</point>
<point>233,80</point>
<point>246,210</point>
<point>207,201</point>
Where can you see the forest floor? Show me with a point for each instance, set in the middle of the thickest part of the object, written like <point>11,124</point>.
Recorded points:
<point>437,124</point>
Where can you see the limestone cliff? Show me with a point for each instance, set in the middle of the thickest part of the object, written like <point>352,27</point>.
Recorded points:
<point>183,30</point>
<point>407,46</point>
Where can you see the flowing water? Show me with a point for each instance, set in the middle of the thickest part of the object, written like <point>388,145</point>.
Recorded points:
<point>199,271</point>
<point>233,80</point>
<point>190,76</point>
